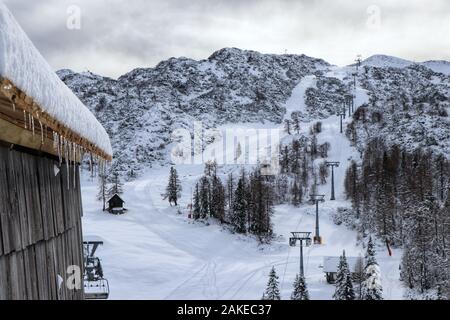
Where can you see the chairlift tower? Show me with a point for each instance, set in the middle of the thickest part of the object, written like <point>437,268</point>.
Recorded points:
<point>358,61</point>
<point>316,198</point>
<point>332,164</point>
<point>349,100</point>
<point>344,109</point>
<point>342,116</point>
<point>305,239</point>
<point>353,103</point>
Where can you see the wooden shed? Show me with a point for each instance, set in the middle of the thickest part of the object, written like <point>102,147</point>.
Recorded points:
<point>330,267</point>
<point>41,146</point>
<point>115,205</point>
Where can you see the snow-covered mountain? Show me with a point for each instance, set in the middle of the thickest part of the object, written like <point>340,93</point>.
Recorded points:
<point>178,258</point>
<point>384,61</point>
<point>143,107</point>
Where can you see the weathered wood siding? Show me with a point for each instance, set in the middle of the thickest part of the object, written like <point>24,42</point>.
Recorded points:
<point>40,226</point>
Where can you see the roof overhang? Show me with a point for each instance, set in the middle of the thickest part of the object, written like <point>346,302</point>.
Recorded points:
<point>23,122</point>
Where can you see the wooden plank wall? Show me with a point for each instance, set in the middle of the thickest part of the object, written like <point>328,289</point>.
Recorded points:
<point>40,226</point>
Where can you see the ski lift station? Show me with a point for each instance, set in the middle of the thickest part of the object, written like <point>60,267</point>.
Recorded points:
<point>44,132</point>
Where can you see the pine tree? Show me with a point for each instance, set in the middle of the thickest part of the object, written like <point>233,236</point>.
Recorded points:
<point>297,194</point>
<point>196,206</point>
<point>371,288</point>
<point>369,257</point>
<point>295,122</point>
<point>287,126</point>
<point>284,159</point>
<point>300,289</point>
<point>260,207</point>
<point>439,294</point>
<point>205,197</point>
<point>173,189</point>
<point>272,292</point>
<point>344,286</point>
<point>102,189</point>
<point>217,199</point>
<point>239,214</point>
<point>116,186</point>
<point>359,275</point>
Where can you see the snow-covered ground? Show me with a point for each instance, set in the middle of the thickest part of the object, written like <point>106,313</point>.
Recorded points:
<point>153,252</point>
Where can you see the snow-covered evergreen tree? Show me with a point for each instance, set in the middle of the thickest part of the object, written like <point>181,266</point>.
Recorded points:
<point>295,116</point>
<point>300,289</point>
<point>173,189</point>
<point>371,287</point>
<point>369,257</point>
<point>239,214</point>
<point>296,194</point>
<point>196,205</point>
<point>359,276</point>
<point>217,206</point>
<point>344,285</point>
<point>272,291</point>
<point>204,197</point>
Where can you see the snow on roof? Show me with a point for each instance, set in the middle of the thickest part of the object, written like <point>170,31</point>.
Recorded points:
<point>92,238</point>
<point>330,264</point>
<point>23,65</point>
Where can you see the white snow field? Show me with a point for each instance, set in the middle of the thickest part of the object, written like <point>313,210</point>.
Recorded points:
<point>152,252</point>
<point>23,65</point>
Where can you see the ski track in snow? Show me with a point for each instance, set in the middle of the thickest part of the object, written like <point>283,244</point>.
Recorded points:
<point>152,252</point>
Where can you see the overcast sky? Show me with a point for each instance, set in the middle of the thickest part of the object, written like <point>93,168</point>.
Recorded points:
<point>116,36</point>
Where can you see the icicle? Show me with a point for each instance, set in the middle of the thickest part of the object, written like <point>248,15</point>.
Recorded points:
<point>14,106</point>
<point>29,121</point>
<point>32,124</point>
<point>25,118</point>
<point>90,165</point>
<point>42,133</point>
<point>66,153</point>
<point>59,149</point>
<point>74,165</point>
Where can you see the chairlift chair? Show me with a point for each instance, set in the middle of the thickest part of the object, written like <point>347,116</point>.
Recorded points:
<point>95,285</point>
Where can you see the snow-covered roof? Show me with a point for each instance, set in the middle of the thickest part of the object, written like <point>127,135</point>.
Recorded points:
<point>26,69</point>
<point>330,264</point>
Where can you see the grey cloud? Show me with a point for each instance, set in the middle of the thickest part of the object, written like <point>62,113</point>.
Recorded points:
<point>117,35</point>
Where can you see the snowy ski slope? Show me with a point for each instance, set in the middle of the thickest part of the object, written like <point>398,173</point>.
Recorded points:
<point>152,252</point>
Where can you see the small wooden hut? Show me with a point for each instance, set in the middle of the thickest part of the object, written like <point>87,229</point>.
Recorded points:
<point>330,267</point>
<point>44,132</point>
<point>115,205</point>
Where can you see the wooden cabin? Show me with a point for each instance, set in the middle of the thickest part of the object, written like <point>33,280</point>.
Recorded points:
<point>115,205</point>
<point>330,267</point>
<point>41,146</point>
